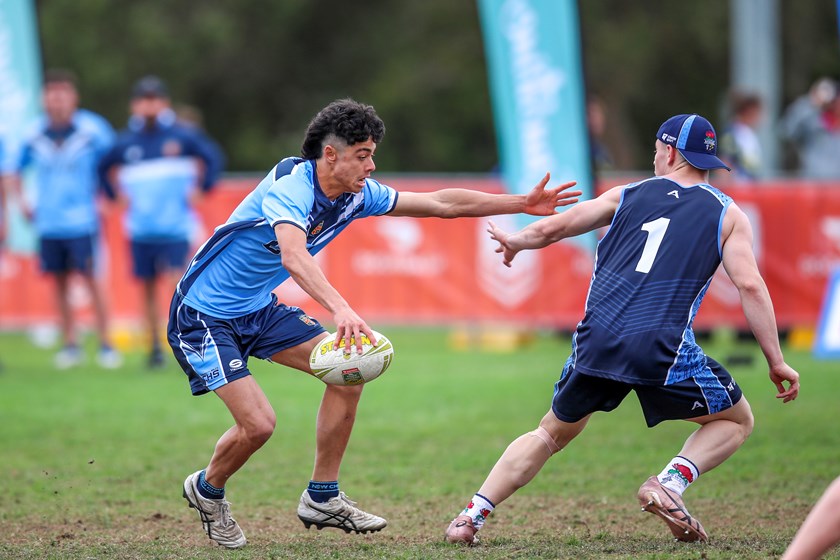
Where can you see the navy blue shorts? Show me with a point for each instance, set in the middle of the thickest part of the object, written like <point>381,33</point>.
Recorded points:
<point>152,259</point>
<point>65,255</point>
<point>576,395</point>
<point>214,352</point>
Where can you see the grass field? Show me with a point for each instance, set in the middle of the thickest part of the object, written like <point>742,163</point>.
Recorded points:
<point>94,461</point>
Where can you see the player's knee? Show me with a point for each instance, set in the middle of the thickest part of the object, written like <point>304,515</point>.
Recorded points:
<point>747,425</point>
<point>261,431</point>
<point>745,419</point>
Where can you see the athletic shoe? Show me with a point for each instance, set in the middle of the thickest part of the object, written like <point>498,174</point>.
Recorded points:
<point>156,359</point>
<point>668,505</point>
<point>339,512</point>
<point>215,515</point>
<point>68,357</point>
<point>109,358</point>
<point>462,531</point>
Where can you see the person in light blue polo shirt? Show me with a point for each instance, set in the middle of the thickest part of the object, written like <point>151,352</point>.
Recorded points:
<point>224,311</point>
<point>63,149</point>
<point>159,167</point>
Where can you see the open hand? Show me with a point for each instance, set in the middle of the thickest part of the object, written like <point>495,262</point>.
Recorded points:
<point>543,202</point>
<point>503,237</point>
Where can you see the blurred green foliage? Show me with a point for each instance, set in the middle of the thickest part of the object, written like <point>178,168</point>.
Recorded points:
<point>258,71</point>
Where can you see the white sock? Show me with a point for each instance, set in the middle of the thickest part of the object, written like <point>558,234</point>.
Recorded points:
<point>678,474</point>
<point>479,509</point>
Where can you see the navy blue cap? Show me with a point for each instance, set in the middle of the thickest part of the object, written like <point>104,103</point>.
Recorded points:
<point>149,86</point>
<point>694,137</point>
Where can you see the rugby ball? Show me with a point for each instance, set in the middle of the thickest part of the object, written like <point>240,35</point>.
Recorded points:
<point>335,367</point>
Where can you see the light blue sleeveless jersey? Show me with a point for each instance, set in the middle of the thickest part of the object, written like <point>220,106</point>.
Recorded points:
<point>235,271</point>
<point>652,269</point>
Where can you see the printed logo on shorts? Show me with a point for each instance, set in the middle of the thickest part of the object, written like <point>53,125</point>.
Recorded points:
<point>307,320</point>
<point>211,375</point>
<point>697,404</point>
<point>235,365</point>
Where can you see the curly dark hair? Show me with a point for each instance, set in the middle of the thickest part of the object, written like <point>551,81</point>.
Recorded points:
<point>349,120</point>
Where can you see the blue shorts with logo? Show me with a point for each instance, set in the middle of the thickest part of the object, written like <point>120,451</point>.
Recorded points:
<point>214,352</point>
<point>154,258</point>
<point>576,395</point>
<point>68,254</point>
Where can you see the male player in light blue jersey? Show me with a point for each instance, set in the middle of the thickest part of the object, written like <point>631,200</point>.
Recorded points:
<point>224,310</point>
<point>63,149</point>
<point>160,168</point>
<point>667,236</point>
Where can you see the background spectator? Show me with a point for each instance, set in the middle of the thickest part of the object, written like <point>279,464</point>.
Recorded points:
<point>596,120</point>
<point>739,144</point>
<point>160,167</point>
<point>812,124</point>
<point>63,149</point>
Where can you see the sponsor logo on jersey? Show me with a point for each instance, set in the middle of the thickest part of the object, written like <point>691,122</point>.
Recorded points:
<point>317,229</point>
<point>674,193</point>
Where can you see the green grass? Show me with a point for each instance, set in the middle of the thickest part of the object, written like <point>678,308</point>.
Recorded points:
<point>93,460</point>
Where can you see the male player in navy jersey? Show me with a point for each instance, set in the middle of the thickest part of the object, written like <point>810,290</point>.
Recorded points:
<point>667,235</point>
<point>224,310</point>
<point>62,149</point>
<point>159,167</point>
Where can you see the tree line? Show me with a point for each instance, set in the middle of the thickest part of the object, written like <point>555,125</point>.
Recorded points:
<point>256,72</point>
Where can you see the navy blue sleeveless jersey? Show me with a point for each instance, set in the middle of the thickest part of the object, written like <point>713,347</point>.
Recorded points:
<point>652,269</point>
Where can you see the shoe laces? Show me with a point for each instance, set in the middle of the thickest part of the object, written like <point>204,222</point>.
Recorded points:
<point>225,519</point>
<point>343,497</point>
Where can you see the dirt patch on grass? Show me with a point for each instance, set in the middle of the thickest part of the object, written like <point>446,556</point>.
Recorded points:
<point>524,527</point>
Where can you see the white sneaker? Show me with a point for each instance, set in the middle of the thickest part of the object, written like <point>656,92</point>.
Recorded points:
<point>215,516</point>
<point>339,512</point>
<point>109,358</point>
<point>68,357</point>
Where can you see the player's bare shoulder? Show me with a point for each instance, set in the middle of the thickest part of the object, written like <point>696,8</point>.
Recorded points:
<point>734,221</point>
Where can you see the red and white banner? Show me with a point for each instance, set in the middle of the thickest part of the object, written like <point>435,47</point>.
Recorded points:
<point>435,271</point>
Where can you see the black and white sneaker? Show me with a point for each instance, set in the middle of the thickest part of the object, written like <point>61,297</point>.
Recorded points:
<point>339,512</point>
<point>215,515</point>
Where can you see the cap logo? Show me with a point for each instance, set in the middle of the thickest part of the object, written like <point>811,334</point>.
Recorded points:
<point>668,139</point>
<point>709,141</point>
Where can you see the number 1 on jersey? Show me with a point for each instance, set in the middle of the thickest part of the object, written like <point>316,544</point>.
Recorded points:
<point>656,233</point>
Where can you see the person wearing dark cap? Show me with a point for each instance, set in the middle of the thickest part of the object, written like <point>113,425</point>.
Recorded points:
<point>159,168</point>
<point>667,236</point>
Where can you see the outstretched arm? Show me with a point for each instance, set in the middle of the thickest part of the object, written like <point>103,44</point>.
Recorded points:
<point>303,269</point>
<point>739,263</point>
<point>458,203</point>
<point>584,217</point>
